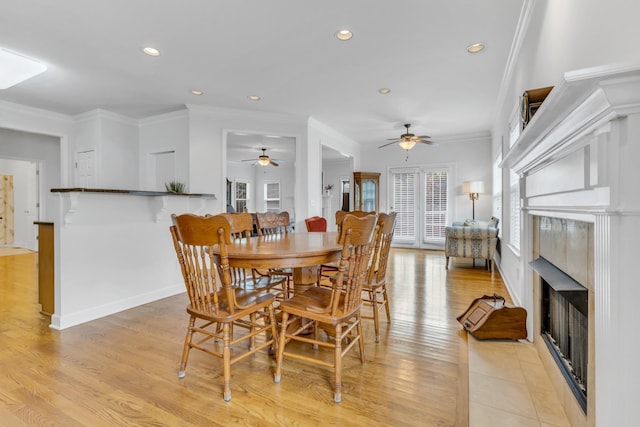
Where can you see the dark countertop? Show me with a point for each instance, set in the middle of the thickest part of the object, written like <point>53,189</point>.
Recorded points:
<point>132,192</point>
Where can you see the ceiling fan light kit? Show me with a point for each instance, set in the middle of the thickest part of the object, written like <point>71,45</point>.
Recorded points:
<point>407,144</point>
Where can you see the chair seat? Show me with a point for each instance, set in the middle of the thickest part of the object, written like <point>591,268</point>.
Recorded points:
<point>244,298</point>
<point>312,304</point>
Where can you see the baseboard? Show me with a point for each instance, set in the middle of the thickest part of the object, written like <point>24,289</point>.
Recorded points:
<point>60,322</point>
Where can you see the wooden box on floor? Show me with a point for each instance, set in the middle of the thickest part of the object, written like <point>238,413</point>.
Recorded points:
<point>490,316</point>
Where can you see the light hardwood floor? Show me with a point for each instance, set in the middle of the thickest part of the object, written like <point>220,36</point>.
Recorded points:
<point>122,369</point>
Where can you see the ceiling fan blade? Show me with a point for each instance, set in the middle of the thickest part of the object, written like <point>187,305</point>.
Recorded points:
<point>423,136</point>
<point>428,142</point>
<point>388,143</point>
<point>394,139</point>
<point>273,163</point>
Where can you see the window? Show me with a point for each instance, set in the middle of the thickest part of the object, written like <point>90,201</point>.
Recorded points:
<point>514,217</point>
<point>272,196</point>
<point>436,206</point>
<point>242,196</point>
<point>497,190</point>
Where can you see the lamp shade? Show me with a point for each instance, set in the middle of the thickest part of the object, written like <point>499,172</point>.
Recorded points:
<point>473,187</point>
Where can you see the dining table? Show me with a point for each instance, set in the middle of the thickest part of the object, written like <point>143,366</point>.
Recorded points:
<point>302,252</point>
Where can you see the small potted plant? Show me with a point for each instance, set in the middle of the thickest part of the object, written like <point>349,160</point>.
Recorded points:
<point>175,187</point>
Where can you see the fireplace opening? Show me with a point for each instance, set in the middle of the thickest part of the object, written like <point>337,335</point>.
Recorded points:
<point>564,325</point>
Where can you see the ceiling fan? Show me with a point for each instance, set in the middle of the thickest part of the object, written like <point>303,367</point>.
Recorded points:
<point>263,159</point>
<point>408,140</point>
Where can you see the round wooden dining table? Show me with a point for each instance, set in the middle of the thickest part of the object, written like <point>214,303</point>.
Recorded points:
<point>303,252</point>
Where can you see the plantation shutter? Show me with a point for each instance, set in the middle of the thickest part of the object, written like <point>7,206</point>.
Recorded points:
<point>436,207</point>
<point>404,203</point>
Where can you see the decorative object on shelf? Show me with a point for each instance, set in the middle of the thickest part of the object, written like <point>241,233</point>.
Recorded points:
<point>531,101</point>
<point>175,187</point>
<point>327,189</point>
<point>474,188</point>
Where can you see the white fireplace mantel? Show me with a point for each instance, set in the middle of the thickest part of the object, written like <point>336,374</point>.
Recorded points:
<point>579,158</point>
<point>580,105</point>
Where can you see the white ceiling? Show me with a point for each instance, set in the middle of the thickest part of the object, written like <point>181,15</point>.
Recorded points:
<point>282,50</point>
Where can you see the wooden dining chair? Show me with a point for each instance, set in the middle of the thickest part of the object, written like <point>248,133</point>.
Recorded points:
<point>341,214</point>
<point>327,271</point>
<point>273,224</point>
<point>338,307</point>
<point>316,224</point>
<point>375,286</point>
<point>241,228</point>
<point>215,305</point>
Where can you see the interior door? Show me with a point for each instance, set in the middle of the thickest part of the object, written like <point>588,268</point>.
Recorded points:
<point>6,209</point>
<point>85,168</point>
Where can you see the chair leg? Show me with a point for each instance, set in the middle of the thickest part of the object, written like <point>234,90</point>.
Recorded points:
<point>337,362</point>
<point>281,344</point>
<point>186,348</point>
<point>376,321</point>
<point>252,340</point>
<point>226,361</point>
<point>360,336</point>
<point>385,297</point>
<point>274,330</point>
<point>446,263</point>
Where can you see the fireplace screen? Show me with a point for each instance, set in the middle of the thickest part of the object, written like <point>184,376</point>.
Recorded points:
<point>564,325</point>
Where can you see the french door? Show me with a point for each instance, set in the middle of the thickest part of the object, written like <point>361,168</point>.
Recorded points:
<point>421,197</point>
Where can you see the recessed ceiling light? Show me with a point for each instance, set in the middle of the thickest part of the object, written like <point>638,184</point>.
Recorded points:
<point>197,92</point>
<point>151,51</point>
<point>17,68</point>
<point>254,97</point>
<point>344,35</point>
<point>475,48</point>
<point>384,90</point>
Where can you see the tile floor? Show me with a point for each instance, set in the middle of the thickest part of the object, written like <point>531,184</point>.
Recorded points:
<point>509,387</point>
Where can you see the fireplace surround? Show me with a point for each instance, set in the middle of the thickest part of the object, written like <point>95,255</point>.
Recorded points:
<point>577,161</point>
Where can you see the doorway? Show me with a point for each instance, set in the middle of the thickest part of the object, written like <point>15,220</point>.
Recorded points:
<point>422,198</point>
<point>19,206</point>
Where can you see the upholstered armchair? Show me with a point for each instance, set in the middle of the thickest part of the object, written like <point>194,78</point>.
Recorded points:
<point>472,239</point>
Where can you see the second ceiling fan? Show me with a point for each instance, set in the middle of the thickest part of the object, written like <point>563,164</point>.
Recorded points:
<point>263,159</point>
<point>408,140</point>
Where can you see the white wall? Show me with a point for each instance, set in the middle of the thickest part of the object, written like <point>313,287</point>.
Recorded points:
<point>319,135</point>
<point>562,36</point>
<point>115,141</point>
<point>164,133</point>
